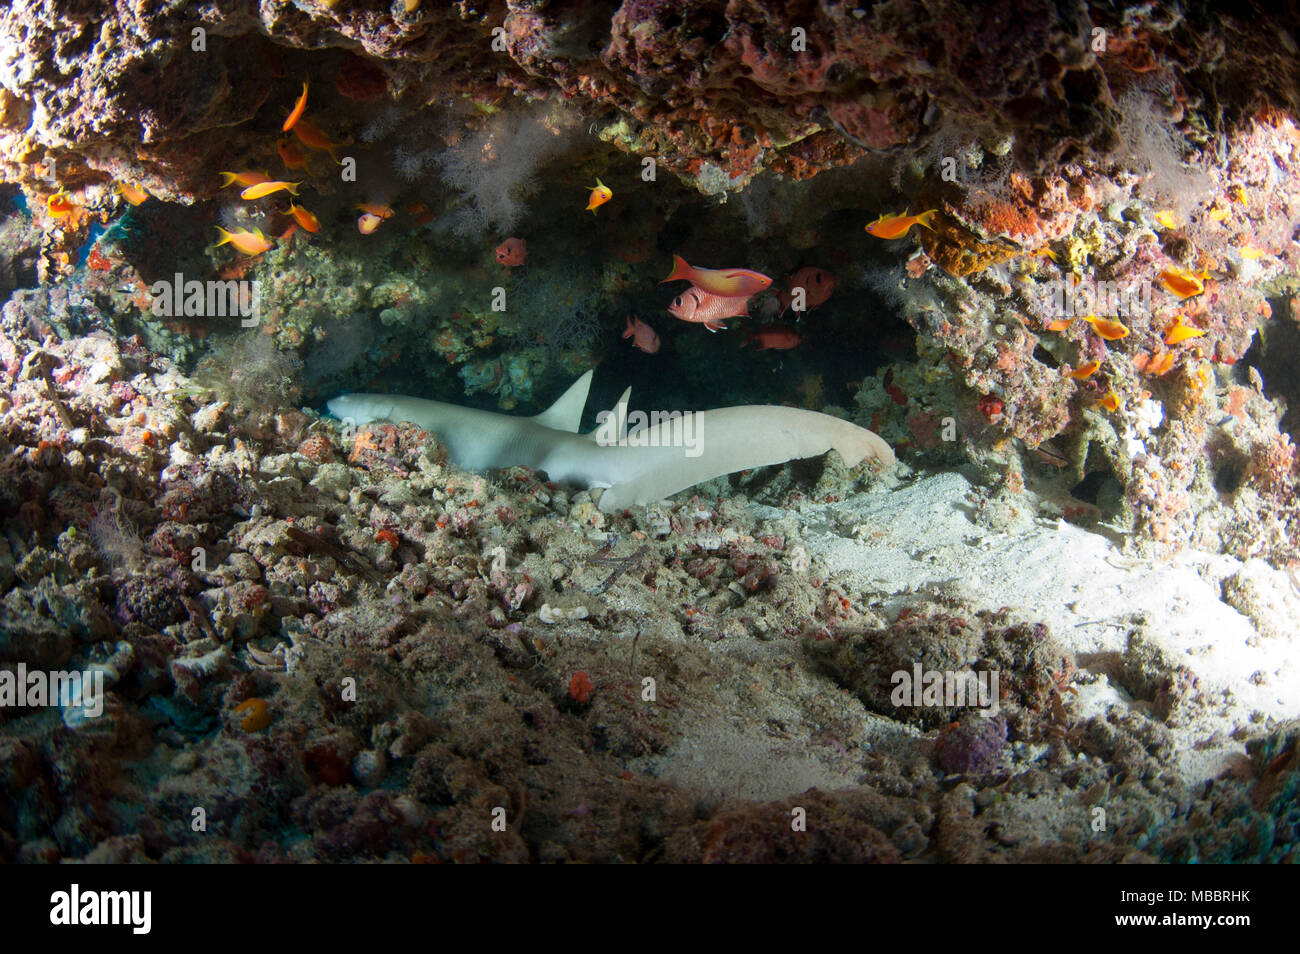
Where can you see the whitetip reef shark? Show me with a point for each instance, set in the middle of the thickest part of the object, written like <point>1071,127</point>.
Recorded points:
<point>669,453</point>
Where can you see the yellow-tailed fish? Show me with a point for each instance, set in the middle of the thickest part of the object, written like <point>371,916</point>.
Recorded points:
<point>600,194</point>
<point>896,226</point>
<point>250,243</point>
<point>263,189</point>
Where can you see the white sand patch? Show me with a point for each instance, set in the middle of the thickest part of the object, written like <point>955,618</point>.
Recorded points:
<point>1089,592</point>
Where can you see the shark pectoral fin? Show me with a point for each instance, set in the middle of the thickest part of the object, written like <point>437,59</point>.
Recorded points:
<point>566,413</point>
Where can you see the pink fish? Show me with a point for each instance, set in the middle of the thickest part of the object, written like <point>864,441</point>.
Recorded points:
<point>513,251</point>
<point>723,282</point>
<point>697,305</point>
<point>817,286</point>
<point>642,335</point>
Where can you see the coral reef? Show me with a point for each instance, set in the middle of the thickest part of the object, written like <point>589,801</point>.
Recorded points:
<point>342,647</point>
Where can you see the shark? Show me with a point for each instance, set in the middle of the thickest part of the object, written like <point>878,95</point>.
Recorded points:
<point>636,458</point>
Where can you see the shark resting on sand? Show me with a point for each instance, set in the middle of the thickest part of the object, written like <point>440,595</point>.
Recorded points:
<point>666,455</point>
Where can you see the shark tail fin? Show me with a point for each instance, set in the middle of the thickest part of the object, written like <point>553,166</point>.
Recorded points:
<point>566,413</point>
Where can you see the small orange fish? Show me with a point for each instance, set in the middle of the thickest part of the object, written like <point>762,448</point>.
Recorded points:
<point>896,226</point>
<point>1167,219</point>
<point>374,208</point>
<point>773,337</point>
<point>243,178</point>
<point>1179,332</point>
<point>1060,324</point>
<point>421,213</point>
<point>600,194</point>
<point>367,222</point>
<point>60,204</point>
<point>1108,329</point>
<point>292,156</point>
<point>512,252</point>
<point>723,282</point>
<point>250,243</point>
<point>1160,363</point>
<point>1110,402</point>
<point>698,306</point>
<point>1085,370</point>
<point>270,187</point>
<point>1183,283</point>
<point>131,192</point>
<point>1044,252</point>
<point>298,109</point>
<point>304,218</point>
<point>311,137</point>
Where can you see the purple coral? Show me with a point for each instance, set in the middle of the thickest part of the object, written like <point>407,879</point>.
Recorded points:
<point>972,746</point>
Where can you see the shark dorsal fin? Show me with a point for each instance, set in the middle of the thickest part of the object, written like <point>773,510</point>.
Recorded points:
<point>614,420</point>
<point>566,413</point>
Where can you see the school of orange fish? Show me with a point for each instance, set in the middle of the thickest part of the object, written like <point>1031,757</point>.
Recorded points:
<point>713,294</point>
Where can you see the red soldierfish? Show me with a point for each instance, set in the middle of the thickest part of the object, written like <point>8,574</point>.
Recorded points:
<point>723,282</point>
<point>512,252</point>
<point>642,335</point>
<point>817,286</point>
<point>697,305</point>
<point>773,337</point>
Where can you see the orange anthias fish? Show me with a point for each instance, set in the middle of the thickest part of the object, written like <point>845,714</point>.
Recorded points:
<point>367,222</point>
<point>698,306</point>
<point>773,337</point>
<point>421,214</point>
<point>1179,332</point>
<point>304,218</point>
<point>896,226</point>
<point>311,137</point>
<point>250,243</point>
<point>1111,401</point>
<point>60,204</point>
<point>298,109</point>
<point>512,252</point>
<point>270,187</point>
<point>642,335</point>
<point>292,156</point>
<point>1158,363</point>
<point>723,282</point>
<point>1108,329</point>
<point>1183,283</point>
<point>817,286</point>
<point>600,194</point>
<point>243,178</point>
<point>132,192</point>
<point>1060,324</point>
<point>375,208</point>
<point>1085,370</point>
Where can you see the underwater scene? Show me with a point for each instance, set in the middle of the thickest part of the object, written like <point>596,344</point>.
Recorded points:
<point>726,431</point>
